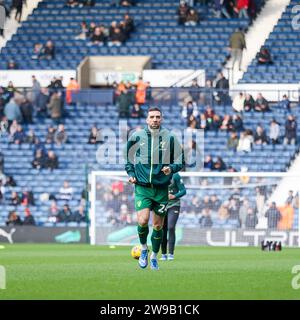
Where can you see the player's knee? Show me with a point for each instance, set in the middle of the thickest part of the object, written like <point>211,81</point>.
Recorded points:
<point>142,222</point>
<point>157,226</point>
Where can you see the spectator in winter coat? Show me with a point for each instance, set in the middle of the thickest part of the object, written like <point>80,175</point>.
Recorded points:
<point>237,123</point>
<point>205,220</point>
<point>249,103</point>
<point>233,141</point>
<point>219,165</point>
<point>64,215</point>
<point>285,103</point>
<point>95,136</point>
<point>79,215</point>
<point>261,104</point>
<point>98,37</point>
<point>29,219</point>
<point>19,136</point>
<point>50,135</point>
<point>51,161</point>
<point>238,102</point>
<point>221,8</point>
<point>27,198</point>
<point>237,45</point>
<point>208,163</point>
<point>15,199</point>
<point>13,219</point>
<point>37,51</point>
<point>182,12</point>
<point>251,219</point>
<point>55,107</point>
<point>41,102</point>
<point>190,108</point>
<point>66,192</point>
<point>222,85</point>
<point>12,111</point>
<point>18,5</point>
<point>264,57</point>
<point>260,136</point>
<point>26,108</point>
<point>273,215</point>
<point>274,132</point>
<point>84,30</point>
<point>39,160</point>
<point>48,52</point>
<point>60,136</point>
<point>242,8</point>
<point>245,142</point>
<point>290,136</point>
<point>192,18</point>
<point>125,101</point>
<point>117,38</point>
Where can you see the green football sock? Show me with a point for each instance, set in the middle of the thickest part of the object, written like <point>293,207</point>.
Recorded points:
<point>156,239</point>
<point>143,233</point>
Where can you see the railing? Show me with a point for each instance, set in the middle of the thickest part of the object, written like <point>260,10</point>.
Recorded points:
<point>166,96</point>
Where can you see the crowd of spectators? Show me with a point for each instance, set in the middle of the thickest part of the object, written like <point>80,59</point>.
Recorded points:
<point>238,210</point>
<point>130,98</point>
<point>240,138</point>
<point>235,208</point>
<point>187,15</point>
<point>237,8</point>
<point>41,51</point>
<point>196,116</point>
<point>123,3</point>
<point>91,3</point>
<point>117,199</point>
<point>56,213</point>
<point>115,35</point>
<point>80,3</point>
<point>16,110</point>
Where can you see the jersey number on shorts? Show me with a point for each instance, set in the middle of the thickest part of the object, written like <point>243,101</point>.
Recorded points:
<point>162,208</point>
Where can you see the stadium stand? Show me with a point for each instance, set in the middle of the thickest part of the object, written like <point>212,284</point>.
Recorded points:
<point>284,44</point>
<point>157,34</point>
<point>207,206</point>
<point>74,155</point>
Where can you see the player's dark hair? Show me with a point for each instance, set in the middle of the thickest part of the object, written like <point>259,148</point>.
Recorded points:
<point>154,109</point>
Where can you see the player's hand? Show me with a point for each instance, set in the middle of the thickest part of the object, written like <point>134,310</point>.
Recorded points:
<point>132,180</point>
<point>166,170</point>
<point>171,196</point>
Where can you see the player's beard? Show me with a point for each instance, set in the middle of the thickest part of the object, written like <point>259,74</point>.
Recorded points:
<point>154,127</point>
<point>154,130</point>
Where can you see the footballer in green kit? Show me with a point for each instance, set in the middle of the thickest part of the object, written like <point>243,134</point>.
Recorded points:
<point>176,191</point>
<point>154,154</point>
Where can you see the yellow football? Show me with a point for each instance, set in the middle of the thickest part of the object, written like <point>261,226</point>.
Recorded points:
<point>136,251</point>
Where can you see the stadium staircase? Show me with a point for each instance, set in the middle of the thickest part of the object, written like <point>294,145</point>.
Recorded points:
<point>11,25</point>
<point>284,45</point>
<point>259,32</point>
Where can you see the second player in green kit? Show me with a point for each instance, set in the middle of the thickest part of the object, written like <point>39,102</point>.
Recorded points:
<point>176,191</point>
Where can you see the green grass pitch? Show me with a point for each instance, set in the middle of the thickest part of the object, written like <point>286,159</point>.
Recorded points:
<point>99,272</point>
